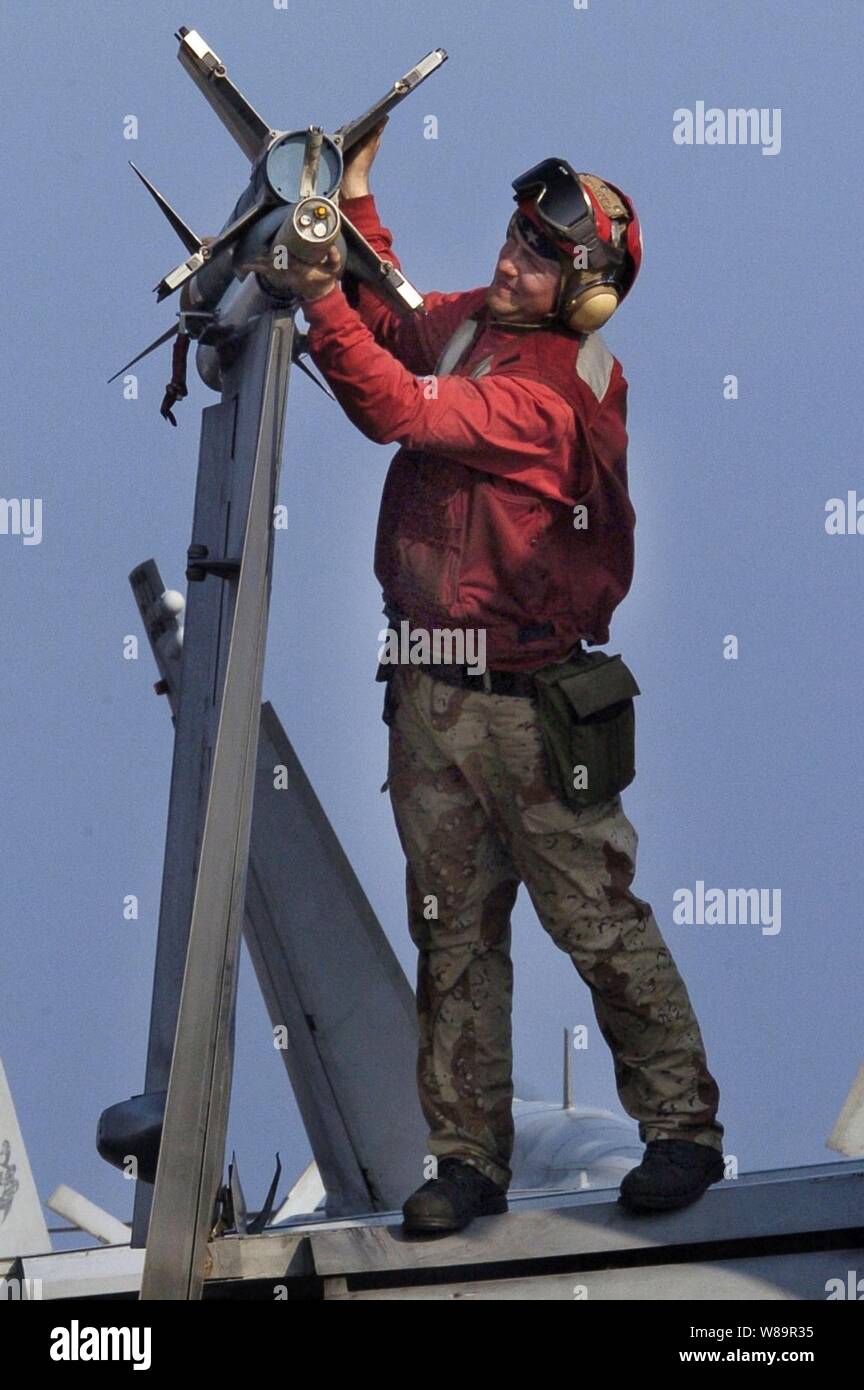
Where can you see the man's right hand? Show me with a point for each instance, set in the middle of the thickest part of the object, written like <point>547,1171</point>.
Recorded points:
<point>358,162</point>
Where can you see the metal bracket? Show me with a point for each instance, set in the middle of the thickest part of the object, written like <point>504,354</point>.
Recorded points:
<point>200,566</point>
<point>194,322</point>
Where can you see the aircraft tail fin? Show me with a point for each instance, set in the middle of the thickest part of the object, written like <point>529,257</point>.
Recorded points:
<point>847,1136</point>
<point>342,1009</point>
<point>22,1223</point>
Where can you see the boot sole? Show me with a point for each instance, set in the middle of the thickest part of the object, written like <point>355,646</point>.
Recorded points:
<point>439,1225</point>
<point>663,1203</point>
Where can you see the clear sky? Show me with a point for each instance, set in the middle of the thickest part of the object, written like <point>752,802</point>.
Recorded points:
<point>749,771</point>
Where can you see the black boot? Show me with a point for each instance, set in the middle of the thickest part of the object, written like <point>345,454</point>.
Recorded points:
<point>450,1201</point>
<point>673,1173</point>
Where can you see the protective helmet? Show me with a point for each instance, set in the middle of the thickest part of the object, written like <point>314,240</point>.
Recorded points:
<point>592,228</point>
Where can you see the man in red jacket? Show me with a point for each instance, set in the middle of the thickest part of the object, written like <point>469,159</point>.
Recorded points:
<point>505,516</point>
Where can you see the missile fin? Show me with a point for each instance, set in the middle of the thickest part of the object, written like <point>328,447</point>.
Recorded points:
<point>152,348</point>
<point>312,377</point>
<point>300,350</point>
<point>183,272</point>
<point>186,235</point>
<point>238,116</point>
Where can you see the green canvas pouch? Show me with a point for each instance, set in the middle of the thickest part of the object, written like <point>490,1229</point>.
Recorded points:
<point>586,712</point>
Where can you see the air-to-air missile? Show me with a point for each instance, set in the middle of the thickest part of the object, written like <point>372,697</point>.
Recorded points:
<point>290,202</point>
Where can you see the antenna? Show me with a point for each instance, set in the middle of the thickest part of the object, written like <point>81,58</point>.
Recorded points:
<point>568,1071</point>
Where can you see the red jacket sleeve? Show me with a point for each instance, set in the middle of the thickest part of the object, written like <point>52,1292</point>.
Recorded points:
<point>417,340</point>
<point>508,425</point>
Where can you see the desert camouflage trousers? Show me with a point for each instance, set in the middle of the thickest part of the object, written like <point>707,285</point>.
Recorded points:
<point>476,816</point>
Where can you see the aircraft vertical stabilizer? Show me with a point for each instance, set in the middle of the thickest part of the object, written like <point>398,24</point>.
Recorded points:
<point>332,982</point>
<point>22,1224</point>
<point>847,1136</point>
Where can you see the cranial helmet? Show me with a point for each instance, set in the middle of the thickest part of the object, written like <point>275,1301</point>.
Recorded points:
<point>591,227</point>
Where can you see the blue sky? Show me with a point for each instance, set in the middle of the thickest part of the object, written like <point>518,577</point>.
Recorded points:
<point>749,771</point>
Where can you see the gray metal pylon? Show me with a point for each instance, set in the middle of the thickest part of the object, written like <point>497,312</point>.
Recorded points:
<point>196,1113</point>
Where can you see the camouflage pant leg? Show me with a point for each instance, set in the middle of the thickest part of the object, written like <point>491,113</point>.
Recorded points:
<point>578,868</point>
<point>461,888</point>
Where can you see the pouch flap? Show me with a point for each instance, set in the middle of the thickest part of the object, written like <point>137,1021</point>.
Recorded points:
<point>597,687</point>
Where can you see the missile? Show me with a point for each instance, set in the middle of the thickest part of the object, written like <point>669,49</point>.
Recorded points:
<point>289,208</point>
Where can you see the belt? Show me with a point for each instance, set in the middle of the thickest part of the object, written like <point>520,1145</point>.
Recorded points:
<point>492,682</point>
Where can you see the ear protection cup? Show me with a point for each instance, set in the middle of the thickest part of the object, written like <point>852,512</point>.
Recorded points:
<point>587,310</point>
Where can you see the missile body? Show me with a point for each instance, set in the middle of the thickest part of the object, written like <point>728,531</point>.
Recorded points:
<point>240,278</point>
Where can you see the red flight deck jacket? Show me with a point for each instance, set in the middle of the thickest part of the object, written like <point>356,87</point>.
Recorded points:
<point>506,508</point>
